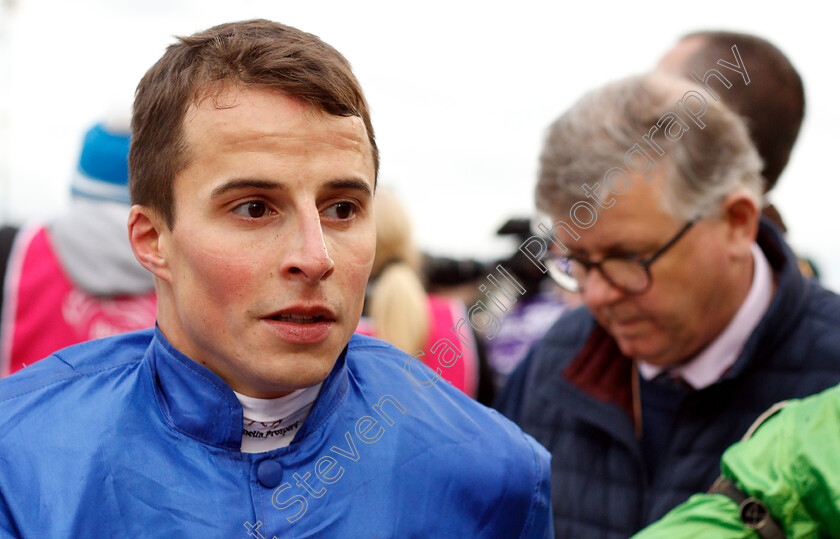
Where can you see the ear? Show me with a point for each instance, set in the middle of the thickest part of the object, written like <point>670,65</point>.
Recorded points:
<point>741,214</point>
<point>146,230</point>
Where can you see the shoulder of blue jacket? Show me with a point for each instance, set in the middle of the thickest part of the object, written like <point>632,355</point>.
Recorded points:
<point>439,406</point>
<point>101,357</point>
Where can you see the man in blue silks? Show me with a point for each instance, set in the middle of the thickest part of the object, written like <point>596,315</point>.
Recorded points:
<point>251,409</point>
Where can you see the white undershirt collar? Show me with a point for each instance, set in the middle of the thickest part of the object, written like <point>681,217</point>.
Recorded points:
<point>272,423</point>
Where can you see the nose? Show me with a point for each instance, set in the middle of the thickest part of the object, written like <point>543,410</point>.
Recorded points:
<point>306,255</point>
<point>597,291</point>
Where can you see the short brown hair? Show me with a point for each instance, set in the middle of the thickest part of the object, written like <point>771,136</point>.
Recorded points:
<point>773,105</point>
<point>255,53</point>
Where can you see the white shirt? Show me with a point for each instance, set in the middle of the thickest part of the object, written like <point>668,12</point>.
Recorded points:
<point>709,365</point>
<point>272,423</point>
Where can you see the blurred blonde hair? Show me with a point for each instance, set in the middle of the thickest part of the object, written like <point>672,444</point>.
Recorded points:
<point>398,301</point>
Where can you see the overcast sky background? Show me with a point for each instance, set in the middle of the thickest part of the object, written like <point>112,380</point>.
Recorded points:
<point>461,93</point>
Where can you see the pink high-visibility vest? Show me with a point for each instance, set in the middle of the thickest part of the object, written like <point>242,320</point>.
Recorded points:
<point>43,311</point>
<point>443,315</point>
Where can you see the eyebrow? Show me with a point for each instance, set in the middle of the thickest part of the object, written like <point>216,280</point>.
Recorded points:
<point>246,183</point>
<point>351,183</point>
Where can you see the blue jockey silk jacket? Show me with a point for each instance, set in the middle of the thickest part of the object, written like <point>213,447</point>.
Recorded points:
<point>127,437</point>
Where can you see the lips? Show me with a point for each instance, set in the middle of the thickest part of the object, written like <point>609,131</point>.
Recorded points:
<point>301,324</point>
<point>297,318</point>
<point>302,314</point>
<point>620,322</point>
<point>629,328</point>
<point>626,321</point>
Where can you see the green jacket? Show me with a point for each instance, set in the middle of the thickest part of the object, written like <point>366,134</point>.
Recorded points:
<point>791,463</point>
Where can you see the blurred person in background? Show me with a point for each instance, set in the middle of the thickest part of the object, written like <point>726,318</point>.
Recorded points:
<point>398,309</point>
<point>525,323</point>
<point>457,278</point>
<point>75,278</point>
<point>696,318</point>
<point>772,105</point>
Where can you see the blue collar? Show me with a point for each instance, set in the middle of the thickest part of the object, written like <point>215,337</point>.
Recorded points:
<point>195,401</point>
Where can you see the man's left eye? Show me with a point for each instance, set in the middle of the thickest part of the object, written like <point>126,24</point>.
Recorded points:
<point>341,210</point>
<point>253,209</point>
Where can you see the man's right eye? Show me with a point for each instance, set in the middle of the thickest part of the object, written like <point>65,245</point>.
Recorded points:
<point>253,209</point>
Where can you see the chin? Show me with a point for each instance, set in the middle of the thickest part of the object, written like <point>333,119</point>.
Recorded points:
<point>277,388</point>
<point>287,376</point>
<point>312,372</point>
<point>641,349</point>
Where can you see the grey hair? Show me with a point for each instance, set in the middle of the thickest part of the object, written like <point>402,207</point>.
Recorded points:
<point>706,164</point>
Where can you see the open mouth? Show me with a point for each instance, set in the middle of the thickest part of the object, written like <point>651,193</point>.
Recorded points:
<point>298,318</point>
<point>302,325</point>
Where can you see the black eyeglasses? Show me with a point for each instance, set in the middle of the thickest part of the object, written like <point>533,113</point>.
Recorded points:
<point>628,273</point>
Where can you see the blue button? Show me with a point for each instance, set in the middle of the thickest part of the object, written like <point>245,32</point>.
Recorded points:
<point>269,473</point>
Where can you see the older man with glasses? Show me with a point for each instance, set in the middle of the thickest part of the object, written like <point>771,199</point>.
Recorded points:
<point>695,317</point>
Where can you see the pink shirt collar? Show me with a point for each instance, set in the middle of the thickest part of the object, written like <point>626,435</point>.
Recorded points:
<point>713,361</point>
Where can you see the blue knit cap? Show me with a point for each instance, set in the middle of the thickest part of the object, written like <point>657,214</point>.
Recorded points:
<point>103,166</point>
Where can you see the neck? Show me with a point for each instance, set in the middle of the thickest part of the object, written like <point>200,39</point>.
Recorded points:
<point>730,299</point>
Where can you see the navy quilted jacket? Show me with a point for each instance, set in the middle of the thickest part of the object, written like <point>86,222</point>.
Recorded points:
<point>577,407</point>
